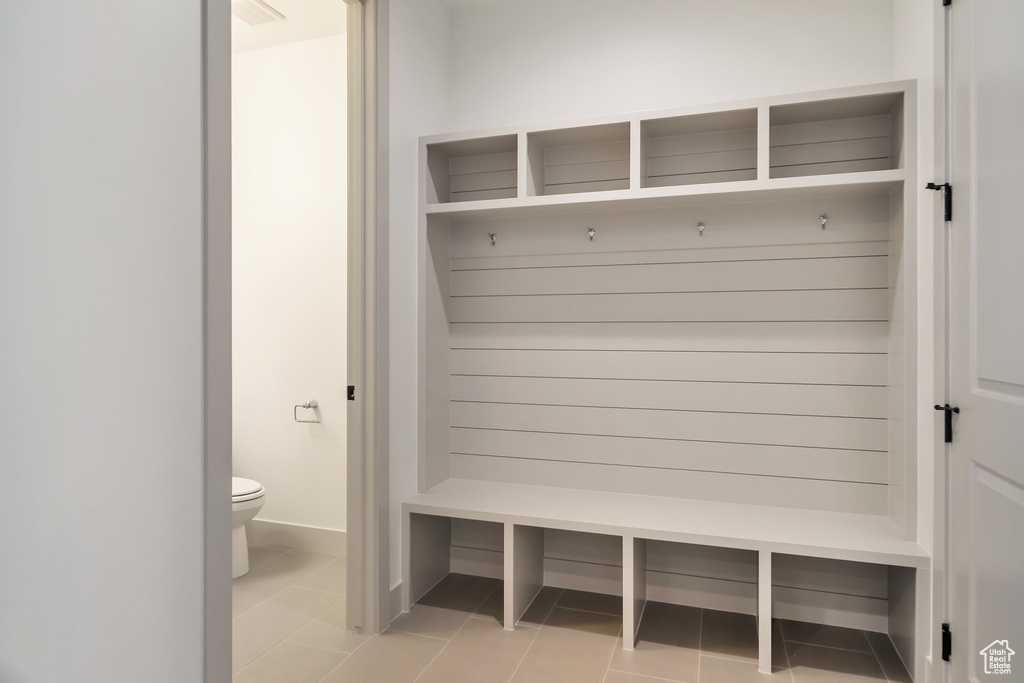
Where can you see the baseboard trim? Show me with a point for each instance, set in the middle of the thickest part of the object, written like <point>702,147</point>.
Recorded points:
<point>311,538</point>
<point>395,601</point>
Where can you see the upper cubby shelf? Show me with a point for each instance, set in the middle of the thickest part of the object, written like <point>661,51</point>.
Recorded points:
<point>853,140</point>
<point>573,160</point>
<point>703,148</point>
<point>836,136</point>
<point>473,169</point>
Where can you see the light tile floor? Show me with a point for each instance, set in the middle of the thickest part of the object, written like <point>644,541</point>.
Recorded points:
<point>289,615</point>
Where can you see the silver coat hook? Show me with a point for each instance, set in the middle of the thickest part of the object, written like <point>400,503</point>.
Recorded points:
<point>591,232</point>
<point>824,219</point>
<point>494,238</point>
<point>700,228</point>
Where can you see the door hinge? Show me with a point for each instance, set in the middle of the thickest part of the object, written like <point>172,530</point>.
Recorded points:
<point>947,195</point>
<point>947,643</point>
<point>351,392</point>
<point>948,418</point>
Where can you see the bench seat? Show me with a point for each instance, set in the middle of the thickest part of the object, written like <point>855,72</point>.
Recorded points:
<point>526,510</point>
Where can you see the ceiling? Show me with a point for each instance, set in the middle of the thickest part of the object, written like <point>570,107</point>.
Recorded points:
<point>305,19</point>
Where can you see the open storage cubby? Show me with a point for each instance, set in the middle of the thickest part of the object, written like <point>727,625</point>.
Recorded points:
<point>709,364</point>
<point>468,170</point>
<point>573,160</point>
<point>701,148</point>
<point>836,136</point>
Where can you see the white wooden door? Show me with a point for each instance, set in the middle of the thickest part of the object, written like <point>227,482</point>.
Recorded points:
<point>986,335</point>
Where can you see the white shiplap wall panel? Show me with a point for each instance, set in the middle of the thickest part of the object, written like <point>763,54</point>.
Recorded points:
<point>831,146</point>
<point>721,337</point>
<point>757,306</point>
<point>781,430</point>
<point>596,257</point>
<point>803,462</point>
<point>810,494</point>
<point>724,397</point>
<point>866,272</point>
<point>861,369</point>
<point>748,365</point>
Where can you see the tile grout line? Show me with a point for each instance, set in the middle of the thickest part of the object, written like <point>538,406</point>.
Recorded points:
<point>368,639</point>
<point>831,647</point>
<point>293,584</point>
<point>700,642</point>
<point>608,666</point>
<point>588,611</point>
<point>270,597</point>
<point>447,643</point>
<point>653,678</point>
<point>785,650</point>
<point>421,635</point>
<point>536,635</point>
<point>290,633</point>
<point>877,658</point>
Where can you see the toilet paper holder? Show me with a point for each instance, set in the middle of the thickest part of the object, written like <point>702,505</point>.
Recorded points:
<point>308,405</point>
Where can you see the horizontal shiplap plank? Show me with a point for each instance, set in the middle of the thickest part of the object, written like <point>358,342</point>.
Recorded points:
<point>843,150</point>
<point>590,186</point>
<point>592,578</point>
<point>702,163</point>
<point>775,252</point>
<point>582,547</point>
<point>478,562</point>
<point>809,463</point>
<point>833,273</point>
<point>472,533</point>
<point>750,428</point>
<point>701,143</point>
<point>506,193</point>
<point>569,155</point>
<point>483,163</point>
<point>834,129</point>
<point>781,368</point>
<point>484,181</point>
<point>704,177</point>
<point>792,337</point>
<point>848,304</point>
<point>583,173</point>
<point>828,168</point>
<point>809,494</point>
<point>778,399</point>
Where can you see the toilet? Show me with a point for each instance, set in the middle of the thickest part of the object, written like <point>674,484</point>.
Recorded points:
<point>246,501</point>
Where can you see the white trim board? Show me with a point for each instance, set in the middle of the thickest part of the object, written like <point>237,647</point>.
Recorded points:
<point>311,538</point>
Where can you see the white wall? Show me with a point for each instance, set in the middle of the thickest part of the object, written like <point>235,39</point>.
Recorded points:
<point>289,276</point>
<point>418,95</point>
<point>537,60</point>
<point>102,342</point>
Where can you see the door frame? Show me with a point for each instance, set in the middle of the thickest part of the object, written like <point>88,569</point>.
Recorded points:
<point>368,338</point>
<point>937,669</point>
<point>368,341</point>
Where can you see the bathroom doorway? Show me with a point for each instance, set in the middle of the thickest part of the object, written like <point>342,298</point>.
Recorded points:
<point>290,332</point>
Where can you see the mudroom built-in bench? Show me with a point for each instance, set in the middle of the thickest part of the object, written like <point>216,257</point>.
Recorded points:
<point>665,356</point>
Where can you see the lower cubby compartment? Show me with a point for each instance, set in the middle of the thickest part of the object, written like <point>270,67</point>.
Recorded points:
<point>659,607</point>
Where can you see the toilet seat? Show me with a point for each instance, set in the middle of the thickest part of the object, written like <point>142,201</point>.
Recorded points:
<point>245,489</point>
